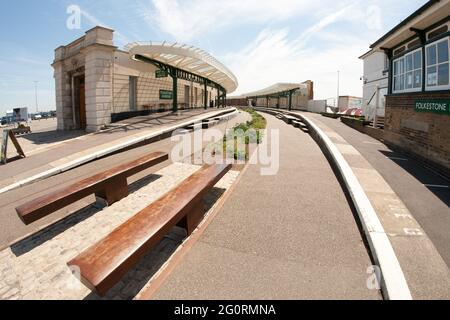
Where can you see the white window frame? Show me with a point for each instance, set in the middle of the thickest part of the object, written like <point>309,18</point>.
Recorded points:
<point>437,87</point>
<point>418,89</point>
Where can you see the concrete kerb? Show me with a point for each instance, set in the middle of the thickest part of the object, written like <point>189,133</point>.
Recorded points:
<point>88,158</point>
<point>393,282</point>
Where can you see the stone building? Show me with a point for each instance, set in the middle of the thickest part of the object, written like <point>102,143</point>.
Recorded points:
<point>96,83</point>
<point>417,107</point>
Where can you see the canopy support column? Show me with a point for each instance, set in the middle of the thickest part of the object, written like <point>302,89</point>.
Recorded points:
<point>174,89</point>
<point>205,98</point>
<point>218,98</point>
<point>290,100</point>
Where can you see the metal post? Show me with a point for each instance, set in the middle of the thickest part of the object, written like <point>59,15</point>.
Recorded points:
<point>218,98</point>
<point>375,116</point>
<point>175,90</point>
<point>278,103</point>
<point>206,95</point>
<point>35,93</point>
<point>290,100</point>
<point>338,83</point>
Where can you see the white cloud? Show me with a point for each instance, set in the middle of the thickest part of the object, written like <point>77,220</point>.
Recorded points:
<point>121,39</point>
<point>185,20</point>
<point>315,54</point>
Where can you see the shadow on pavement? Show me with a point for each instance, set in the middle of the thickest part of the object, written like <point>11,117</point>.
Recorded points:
<point>28,244</point>
<point>53,136</point>
<point>138,277</point>
<point>48,233</point>
<point>424,176</point>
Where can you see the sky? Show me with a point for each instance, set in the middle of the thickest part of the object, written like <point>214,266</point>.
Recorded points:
<point>261,41</point>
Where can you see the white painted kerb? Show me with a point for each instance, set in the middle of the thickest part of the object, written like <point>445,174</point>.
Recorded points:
<point>393,284</point>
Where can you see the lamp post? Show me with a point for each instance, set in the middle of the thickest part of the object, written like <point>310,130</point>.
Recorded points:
<point>35,95</point>
<point>337,99</point>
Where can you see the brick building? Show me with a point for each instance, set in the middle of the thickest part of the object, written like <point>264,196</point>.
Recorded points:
<point>417,104</point>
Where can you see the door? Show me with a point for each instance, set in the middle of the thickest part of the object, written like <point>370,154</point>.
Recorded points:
<point>186,97</point>
<point>133,93</point>
<point>82,102</point>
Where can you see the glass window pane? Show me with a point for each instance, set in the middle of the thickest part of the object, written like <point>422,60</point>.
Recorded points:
<point>443,74</point>
<point>418,78</point>
<point>443,51</point>
<point>417,59</point>
<point>431,55</point>
<point>431,76</point>
<point>402,82</point>
<point>395,68</point>
<point>409,62</point>
<point>402,65</point>
<point>409,80</point>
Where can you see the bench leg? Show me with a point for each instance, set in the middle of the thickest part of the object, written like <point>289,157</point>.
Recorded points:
<point>193,218</point>
<point>115,189</point>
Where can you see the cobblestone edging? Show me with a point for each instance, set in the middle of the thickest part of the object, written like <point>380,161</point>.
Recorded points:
<point>35,268</point>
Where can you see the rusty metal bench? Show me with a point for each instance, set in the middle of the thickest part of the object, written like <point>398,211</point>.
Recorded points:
<point>110,185</point>
<point>105,263</point>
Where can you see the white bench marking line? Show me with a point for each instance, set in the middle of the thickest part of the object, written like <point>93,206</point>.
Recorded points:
<point>436,186</point>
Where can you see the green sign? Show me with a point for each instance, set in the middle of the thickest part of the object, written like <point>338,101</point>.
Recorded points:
<point>165,95</point>
<point>161,74</point>
<point>434,106</point>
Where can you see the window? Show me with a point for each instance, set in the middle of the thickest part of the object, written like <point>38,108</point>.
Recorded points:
<point>438,76</point>
<point>437,32</point>
<point>407,74</point>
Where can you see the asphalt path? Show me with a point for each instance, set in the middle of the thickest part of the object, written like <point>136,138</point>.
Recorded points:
<point>292,235</point>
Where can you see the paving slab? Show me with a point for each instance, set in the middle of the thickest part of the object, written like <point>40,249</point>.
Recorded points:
<point>35,268</point>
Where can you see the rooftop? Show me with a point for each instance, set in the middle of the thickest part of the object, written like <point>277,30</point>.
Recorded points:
<point>188,58</point>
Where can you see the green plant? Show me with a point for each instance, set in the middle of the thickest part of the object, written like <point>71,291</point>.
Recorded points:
<point>244,134</point>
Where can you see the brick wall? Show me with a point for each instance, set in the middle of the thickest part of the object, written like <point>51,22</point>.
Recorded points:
<point>425,135</point>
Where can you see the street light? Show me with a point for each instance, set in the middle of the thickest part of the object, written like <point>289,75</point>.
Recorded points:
<point>337,100</point>
<point>35,93</point>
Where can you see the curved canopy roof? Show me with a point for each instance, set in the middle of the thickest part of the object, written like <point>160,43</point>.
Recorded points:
<point>186,58</point>
<point>276,88</point>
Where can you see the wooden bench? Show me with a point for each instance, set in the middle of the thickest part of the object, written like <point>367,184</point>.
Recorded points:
<point>105,263</point>
<point>110,185</point>
<point>289,119</point>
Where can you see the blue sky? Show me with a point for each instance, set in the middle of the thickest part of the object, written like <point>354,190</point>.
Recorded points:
<point>261,41</point>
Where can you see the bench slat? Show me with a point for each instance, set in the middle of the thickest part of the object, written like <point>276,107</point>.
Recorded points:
<point>46,204</point>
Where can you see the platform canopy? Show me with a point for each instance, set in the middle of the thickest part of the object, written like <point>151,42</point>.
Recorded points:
<point>187,58</point>
<point>276,90</point>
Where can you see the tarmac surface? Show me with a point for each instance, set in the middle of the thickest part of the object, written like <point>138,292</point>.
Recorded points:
<point>425,193</point>
<point>56,147</point>
<point>292,235</point>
